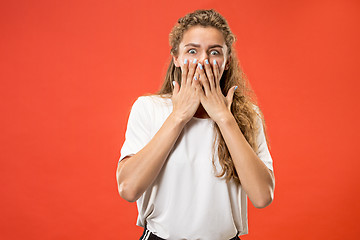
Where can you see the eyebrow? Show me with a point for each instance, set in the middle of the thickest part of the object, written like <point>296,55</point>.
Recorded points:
<point>198,45</point>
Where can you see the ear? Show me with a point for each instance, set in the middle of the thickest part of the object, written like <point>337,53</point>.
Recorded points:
<point>176,61</point>
<point>227,65</point>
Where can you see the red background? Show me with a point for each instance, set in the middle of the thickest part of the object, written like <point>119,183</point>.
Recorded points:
<point>70,71</point>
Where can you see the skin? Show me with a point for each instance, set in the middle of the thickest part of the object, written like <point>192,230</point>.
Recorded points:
<point>199,95</point>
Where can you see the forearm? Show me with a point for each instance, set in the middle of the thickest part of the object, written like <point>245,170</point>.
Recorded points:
<point>136,173</point>
<point>256,179</point>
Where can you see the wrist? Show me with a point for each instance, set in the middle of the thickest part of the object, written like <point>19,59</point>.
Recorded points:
<point>178,119</point>
<point>225,118</point>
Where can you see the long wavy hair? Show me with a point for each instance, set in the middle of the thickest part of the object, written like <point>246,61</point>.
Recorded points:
<point>243,108</point>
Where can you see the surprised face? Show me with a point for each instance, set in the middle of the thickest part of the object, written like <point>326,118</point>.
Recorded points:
<point>203,43</point>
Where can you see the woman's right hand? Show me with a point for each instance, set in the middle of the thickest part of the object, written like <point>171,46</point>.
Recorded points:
<point>186,98</point>
<point>136,173</point>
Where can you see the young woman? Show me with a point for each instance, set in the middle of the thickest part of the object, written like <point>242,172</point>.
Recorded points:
<point>197,149</point>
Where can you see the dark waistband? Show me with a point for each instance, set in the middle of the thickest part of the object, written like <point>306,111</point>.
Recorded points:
<point>147,235</point>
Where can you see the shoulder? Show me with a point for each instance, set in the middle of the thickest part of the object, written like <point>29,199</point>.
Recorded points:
<point>151,104</point>
<point>256,108</point>
<point>257,114</point>
<point>153,101</point>
<point>259,120</point>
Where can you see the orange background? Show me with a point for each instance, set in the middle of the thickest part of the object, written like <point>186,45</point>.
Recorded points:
<point>70,71</point>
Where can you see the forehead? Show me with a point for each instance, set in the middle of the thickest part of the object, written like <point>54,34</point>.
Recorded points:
<point>203,36</point>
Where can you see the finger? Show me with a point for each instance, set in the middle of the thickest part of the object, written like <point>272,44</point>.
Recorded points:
<point>198,88</point>
<point>176,88</point>
<point>197,74</point>
<point>203,79</point>
<point>196,84</point>
<point>230,96</point>
<point>184,71</point>
<point>191,72</point>
<point>216,71</point>
<point>209,74</point>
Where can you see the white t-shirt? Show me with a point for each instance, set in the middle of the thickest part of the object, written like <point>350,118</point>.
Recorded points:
<point>187,200</point>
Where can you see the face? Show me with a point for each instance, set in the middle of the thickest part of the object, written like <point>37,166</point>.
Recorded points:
<point>203,43</point>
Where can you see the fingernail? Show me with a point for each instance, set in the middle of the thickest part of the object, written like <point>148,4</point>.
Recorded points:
<point>185,61</point>
<point>214,62</point>
<point>194,60</point>
<point>200,66</point>
<point>206,61</point>
<point>173,83</point>
<point>236,87</point>
<point>195,78</point>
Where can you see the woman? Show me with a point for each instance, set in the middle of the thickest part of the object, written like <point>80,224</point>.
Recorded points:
<point>195,150</point>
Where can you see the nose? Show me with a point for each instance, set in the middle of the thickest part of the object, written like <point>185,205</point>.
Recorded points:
<point>202,57</point>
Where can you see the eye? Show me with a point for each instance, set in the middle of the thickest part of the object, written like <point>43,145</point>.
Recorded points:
<point>214,52</point>
<point>192,51</point>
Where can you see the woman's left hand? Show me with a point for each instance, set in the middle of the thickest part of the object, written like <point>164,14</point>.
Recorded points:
<point>212,99</point>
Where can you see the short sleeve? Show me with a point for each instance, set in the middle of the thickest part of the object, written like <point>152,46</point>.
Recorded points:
<point>138,128</point>
<point>263,150</point>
